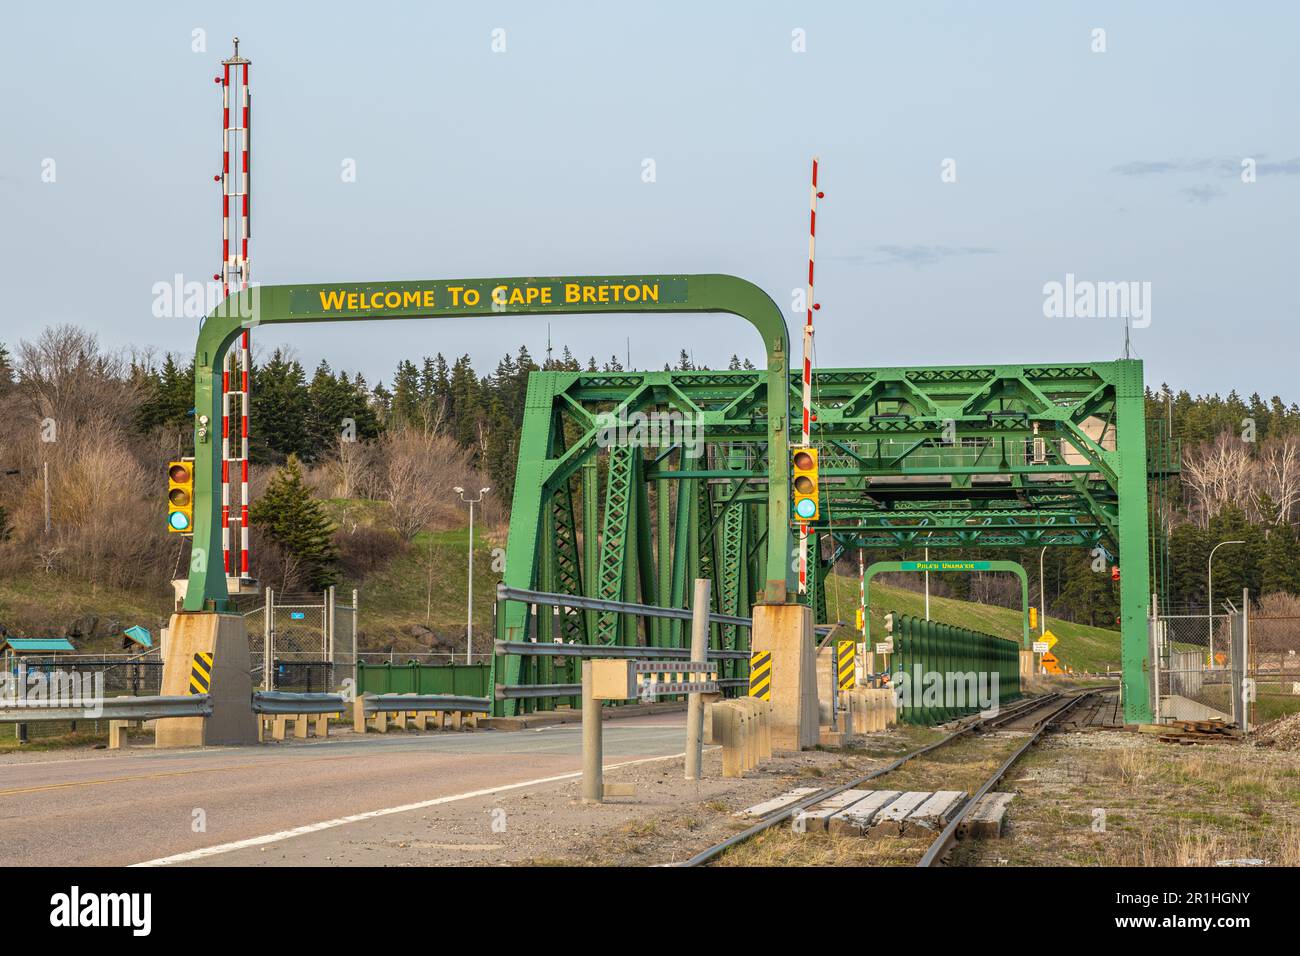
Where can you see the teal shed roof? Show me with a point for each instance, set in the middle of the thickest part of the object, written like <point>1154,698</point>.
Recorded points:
<point>32,645</point>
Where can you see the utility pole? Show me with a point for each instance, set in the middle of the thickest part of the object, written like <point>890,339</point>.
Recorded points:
<point>469,603</point>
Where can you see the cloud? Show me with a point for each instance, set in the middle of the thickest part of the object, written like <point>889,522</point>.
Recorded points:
<point>917,255</point>
<point>1222,165</point>
<point>1202,194</point>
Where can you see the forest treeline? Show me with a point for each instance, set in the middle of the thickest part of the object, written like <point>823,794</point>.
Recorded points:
<point>117,415</point>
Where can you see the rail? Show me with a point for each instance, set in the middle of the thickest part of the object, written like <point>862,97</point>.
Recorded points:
<point>1019,709</point>
<point>114,708</point>
<point>577,602</point>
<point>388,703</point>
<point>948,836</point>
<point>284,703</point>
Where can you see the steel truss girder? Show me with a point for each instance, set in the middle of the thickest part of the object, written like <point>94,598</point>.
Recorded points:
<point>937,457</point>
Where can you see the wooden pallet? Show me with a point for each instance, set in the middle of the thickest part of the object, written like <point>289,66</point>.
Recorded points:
<point>1190,732</point>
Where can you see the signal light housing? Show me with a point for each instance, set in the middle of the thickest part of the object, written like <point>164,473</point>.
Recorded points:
<point>804,483</point>
<point>180,496</point>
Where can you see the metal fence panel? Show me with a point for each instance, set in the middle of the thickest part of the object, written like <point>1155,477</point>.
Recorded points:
<point>1195,666</point>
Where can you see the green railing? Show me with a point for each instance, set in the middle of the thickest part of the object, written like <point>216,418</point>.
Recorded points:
<point>941,672</point>
<point>462,680</point>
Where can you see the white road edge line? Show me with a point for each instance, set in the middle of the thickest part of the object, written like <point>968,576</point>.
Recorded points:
<point>372,814</point>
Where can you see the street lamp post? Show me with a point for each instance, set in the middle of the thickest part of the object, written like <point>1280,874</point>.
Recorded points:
<point>469,601</point>
<point>1042,595</point>
<point>1209,597</point>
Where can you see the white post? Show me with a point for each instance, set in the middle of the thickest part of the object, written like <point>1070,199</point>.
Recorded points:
<point>268,635</point>
<point>593,771</point>
<point>329,625</point>
<point>1042,595</point>
<point>927,585</point>
<point>695,702</point>
<point>355,661</point>
<point>469,613</point>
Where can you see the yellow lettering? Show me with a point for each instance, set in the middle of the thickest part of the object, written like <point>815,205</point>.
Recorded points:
<point>331,300</point>
<point>471,297</point>
<point>588,293</point>
<point>632,293</point>
<point>572,292</point>
<point>499,299</point>
<point>392,300</point>
<point>411,298</point>
<point>546,295</point>
<point>516,296</point>
<point>428,298</point>
<point>455,293</point>
<point>650,292</point>
<point>353,300</point>
<point>604,293</point>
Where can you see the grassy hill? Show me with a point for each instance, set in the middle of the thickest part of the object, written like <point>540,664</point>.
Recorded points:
<point>1081,647</point>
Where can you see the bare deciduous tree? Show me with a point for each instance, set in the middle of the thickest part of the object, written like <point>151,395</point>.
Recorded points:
<point>1217,474</point>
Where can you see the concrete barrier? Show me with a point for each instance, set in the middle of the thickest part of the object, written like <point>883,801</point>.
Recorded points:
<point>870,709</point>
<point>368,713</point>
<point>744,729</point>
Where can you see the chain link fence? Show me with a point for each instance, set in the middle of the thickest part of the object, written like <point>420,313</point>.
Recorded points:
<point>1273,657</point>
<point>305,642</point>
<point>1196,672</point>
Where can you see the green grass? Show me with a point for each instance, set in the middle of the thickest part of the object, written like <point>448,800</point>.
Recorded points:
<point>1081,646</point>
<point>399,595</point>
<point>36,604</point>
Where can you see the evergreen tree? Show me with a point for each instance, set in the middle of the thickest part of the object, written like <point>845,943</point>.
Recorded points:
<point>297,522</point>
<point>280,409</point>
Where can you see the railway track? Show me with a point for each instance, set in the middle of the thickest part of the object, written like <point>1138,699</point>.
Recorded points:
<point>1035,714</point>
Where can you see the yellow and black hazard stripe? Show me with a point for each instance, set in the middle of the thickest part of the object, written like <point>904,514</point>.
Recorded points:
<point>201,673</point>
<point>760,675</point>
<point>844,669</point>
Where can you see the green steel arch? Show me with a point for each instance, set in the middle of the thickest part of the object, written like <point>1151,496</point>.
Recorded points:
<point>480,298</point>
<point>948,567</point>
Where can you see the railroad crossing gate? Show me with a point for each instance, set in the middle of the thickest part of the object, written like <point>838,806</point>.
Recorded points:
<point>630,484</point>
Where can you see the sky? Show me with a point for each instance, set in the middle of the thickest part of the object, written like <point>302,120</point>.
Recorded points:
<point>972,154</point>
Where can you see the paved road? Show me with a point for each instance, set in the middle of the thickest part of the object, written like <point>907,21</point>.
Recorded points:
<point>142,805</point>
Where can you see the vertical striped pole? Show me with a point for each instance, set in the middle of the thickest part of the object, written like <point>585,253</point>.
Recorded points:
<point>806,434</point>
<point>235,232</point>
<point>225,294</point>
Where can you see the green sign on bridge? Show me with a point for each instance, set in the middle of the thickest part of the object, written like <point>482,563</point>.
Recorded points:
<point>947,565</point>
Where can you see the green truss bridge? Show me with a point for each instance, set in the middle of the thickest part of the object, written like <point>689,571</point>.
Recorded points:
<point>631,484</point>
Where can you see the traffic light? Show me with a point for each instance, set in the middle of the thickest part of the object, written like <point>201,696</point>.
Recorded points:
<point>180,497</point>
<point>803,481</point>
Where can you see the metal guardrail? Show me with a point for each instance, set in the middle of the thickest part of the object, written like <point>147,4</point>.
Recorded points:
<point>115,708</point>
<point>506,593</point>
<point>533,691</point>
<point>278,703</point>
<point>389,703</point>
<point>543,649</point>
